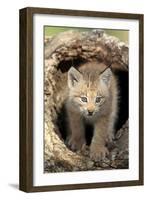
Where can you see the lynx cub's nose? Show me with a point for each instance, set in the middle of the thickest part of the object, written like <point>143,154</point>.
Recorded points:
<point>90,112</point>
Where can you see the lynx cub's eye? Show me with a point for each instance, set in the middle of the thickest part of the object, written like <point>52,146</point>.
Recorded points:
<point>98,99</point>
<point>84,99</point>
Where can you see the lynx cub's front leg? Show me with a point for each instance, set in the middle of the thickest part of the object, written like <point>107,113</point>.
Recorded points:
<point>76,138</point>
<point>98,150</point>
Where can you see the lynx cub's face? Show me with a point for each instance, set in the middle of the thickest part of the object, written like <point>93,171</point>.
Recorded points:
<point>89,89</point>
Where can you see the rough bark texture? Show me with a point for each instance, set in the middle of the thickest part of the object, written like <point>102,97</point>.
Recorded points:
<point>62,51</point>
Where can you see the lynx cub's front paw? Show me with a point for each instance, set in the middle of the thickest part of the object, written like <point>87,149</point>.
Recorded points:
<point>76,144</point>
<point>98,152</point>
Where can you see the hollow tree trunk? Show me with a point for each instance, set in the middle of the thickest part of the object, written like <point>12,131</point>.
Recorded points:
<point>62,51</point>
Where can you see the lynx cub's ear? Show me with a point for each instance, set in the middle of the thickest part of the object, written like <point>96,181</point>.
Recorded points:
<point>106,75</point>
<point>74,76</point>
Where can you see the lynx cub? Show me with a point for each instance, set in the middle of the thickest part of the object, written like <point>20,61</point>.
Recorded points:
<point>92,98</point>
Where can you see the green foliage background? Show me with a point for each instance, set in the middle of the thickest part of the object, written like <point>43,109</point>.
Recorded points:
<point>123,35</point>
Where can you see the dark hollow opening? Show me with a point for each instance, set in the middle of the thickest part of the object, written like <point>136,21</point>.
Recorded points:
<point>123,104</point>
<point>65,65</point>
<point>123,85</point>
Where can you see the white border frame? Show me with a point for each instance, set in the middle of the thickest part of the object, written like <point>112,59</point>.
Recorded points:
<point>41,179</point>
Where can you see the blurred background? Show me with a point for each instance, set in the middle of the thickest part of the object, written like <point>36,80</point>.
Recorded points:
<point>123,35</point>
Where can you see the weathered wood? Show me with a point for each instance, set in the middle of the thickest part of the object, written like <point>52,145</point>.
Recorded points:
<point>60,52</point>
